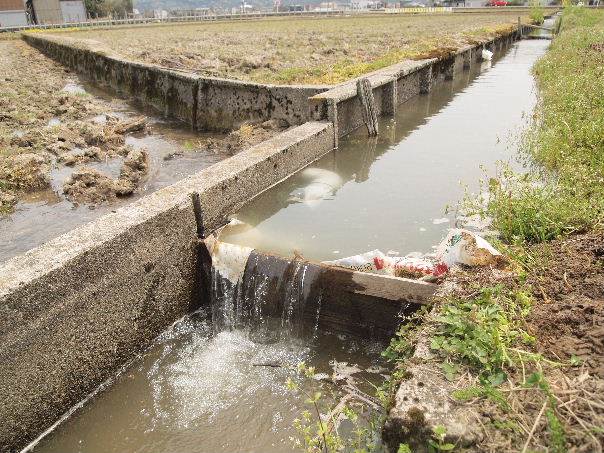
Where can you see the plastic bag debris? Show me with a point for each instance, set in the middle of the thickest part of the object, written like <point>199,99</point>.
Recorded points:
<point>229,260</point>
<point>459,247</point>
<point>372,262</point>
<point>465,247</point>
<point>322,185</point>
<point>414,265</point>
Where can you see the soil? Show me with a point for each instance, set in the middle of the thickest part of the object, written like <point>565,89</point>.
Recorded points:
<point>568,319</point>
<point>247,135</point>
<point>90,186</point>
<point>46,122</point>
<point>290,51</point>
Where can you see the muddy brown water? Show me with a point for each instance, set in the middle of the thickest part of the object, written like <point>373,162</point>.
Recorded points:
<point>199,388</point>
<point>392,193</point>
<point>174,153</point>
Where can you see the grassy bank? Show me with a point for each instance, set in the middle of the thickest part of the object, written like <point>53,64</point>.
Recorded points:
<point>523,348</point>
<point>564,194</point>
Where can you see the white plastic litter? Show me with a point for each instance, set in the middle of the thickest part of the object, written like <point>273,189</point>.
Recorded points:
<point>465,247</point>
<point>323,185</point>
<point>414,265</point>
<point>372,262</point>
<point>486,54</point>
<point>228,260</point>
<point>459,247</point>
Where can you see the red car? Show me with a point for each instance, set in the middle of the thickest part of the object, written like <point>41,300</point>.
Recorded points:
<point>497,3</point>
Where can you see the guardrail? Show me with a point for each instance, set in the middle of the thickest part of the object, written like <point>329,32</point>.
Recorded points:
<point>195,18</point>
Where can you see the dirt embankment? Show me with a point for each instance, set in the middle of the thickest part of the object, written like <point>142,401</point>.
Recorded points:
<point>567,321</point>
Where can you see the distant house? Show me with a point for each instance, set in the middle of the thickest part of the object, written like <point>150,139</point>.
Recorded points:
<point>57,11</point>
<point>12,13</point>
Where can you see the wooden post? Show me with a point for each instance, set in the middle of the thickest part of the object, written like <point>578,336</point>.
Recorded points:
<point>198,215</point>
<point>204,259</point>
<point>368,110</point>
<point>519,27</point>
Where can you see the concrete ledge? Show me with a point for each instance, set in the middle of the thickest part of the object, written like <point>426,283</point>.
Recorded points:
<point>204,102</point>
<point>77,308</point>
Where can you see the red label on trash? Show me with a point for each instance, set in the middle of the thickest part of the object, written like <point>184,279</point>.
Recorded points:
<point>378,262</point>
<point>440,269</point>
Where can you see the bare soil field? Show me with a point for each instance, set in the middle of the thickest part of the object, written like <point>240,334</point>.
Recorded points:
<point>294,51</point>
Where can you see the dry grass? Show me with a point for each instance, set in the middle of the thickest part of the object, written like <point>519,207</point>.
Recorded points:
<point>522,423</point>
<point>291,51</point>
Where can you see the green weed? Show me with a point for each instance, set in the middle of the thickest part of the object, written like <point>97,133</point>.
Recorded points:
<point>537,14</point>
<point>481,331</point>
<point>438,443</point>
<point>319,433</point>
<point>564,194</point>
<point>483,391</point>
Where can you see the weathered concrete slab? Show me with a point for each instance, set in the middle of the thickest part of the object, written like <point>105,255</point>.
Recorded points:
<point>204,102</point>
<point>226,104</point>
<point>423,401</point>
<point>77,308</point>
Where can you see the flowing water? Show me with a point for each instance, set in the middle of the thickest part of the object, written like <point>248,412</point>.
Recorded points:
<point>173,155</point>
<point>215,381</point>
<point>392,192</point>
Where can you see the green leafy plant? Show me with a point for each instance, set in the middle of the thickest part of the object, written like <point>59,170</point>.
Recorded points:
<point>403,448</point>
<point>438,443</point>
<point>556,430</point>
<point>480,332</point>
<point>318,427</point>
<point>482,391</point>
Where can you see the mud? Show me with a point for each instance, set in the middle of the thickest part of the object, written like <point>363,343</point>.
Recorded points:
<point>91,186</point>
<point>45,123</point>
<point>26,171</point>
<point>568,318</point>
<point>247,135</point>
<point>50,122</point>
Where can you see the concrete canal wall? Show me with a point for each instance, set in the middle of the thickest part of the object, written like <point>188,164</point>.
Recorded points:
<point>394,85</point>
<point>77,308</point>
<point>206,103</point>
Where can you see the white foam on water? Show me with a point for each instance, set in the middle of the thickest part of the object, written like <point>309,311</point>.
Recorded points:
<point>212,374</point>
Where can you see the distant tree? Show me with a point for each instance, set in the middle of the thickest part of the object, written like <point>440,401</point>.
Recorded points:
<point>104,8</point>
